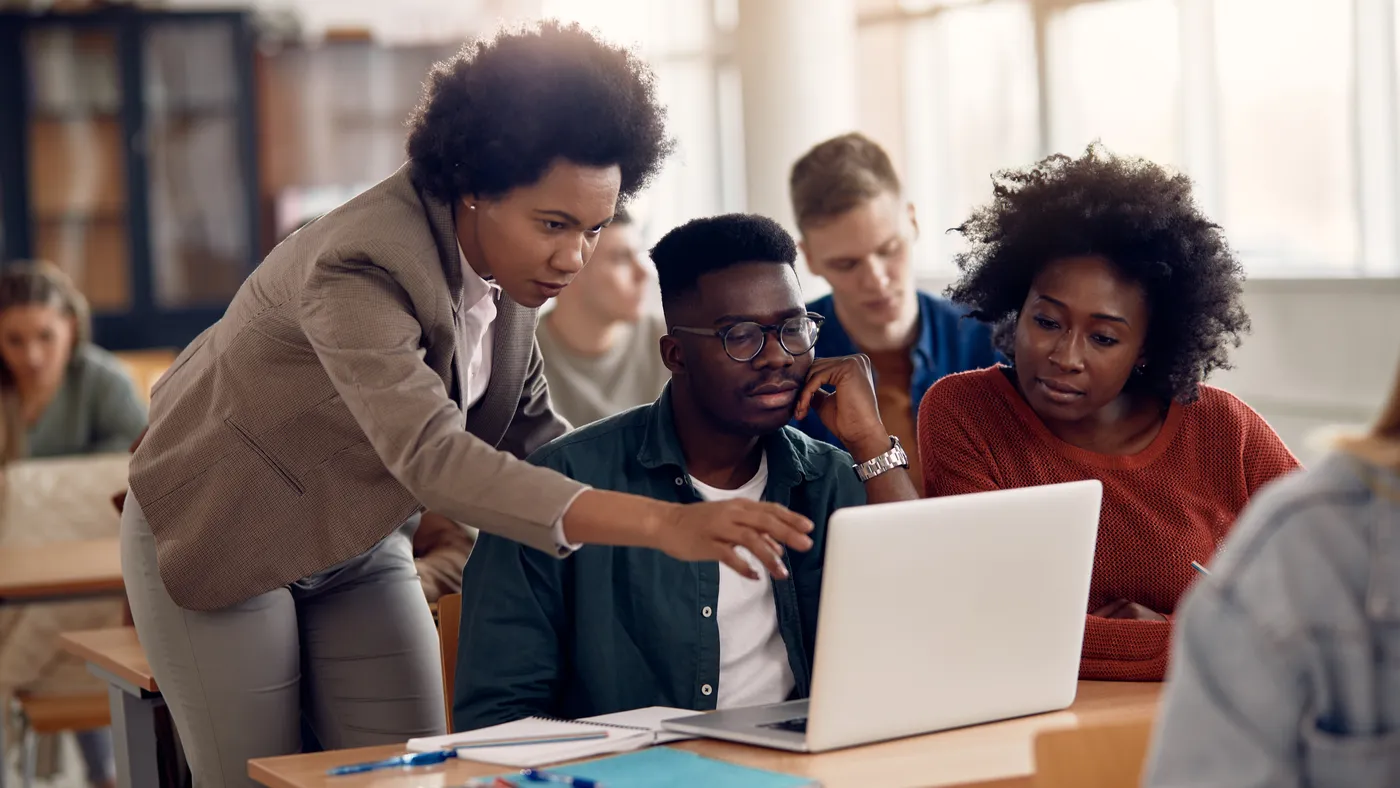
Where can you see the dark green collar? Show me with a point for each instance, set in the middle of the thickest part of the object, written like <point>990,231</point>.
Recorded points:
<point>789,451</point>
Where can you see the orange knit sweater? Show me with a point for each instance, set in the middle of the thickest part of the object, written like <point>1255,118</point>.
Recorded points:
<point>1163,508</point>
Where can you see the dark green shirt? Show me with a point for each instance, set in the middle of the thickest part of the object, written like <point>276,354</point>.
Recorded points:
<point>615,628</point>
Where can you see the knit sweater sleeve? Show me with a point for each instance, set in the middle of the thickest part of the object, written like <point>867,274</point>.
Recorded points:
<point>954,461</point>
<point>1266,458</point>
<point>1125,649</point>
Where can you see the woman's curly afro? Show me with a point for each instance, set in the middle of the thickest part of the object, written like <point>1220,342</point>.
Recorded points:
<point>502,110</point>
<point>1138,216</point>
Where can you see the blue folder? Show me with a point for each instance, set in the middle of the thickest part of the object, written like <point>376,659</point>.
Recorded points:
<point>663,767</point>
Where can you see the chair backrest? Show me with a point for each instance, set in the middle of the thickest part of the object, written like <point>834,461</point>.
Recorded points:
<point>449,625</point>
<point>1108,755</point>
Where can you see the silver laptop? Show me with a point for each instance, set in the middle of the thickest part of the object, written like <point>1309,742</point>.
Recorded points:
<point>937,614</point>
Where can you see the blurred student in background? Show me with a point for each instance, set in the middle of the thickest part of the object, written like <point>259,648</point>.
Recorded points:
<point>1114,298</point>
<point>857,230</point>
<point>1283,670</point>
<point>60,395</point>
<point>600,349</point>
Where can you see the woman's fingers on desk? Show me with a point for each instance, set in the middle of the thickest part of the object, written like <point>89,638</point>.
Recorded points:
<point>1109,608</point>
<point>1138,612</point>
<point>1127,610</point>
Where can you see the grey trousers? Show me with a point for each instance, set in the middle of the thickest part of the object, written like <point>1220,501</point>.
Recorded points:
<point>352,648</point>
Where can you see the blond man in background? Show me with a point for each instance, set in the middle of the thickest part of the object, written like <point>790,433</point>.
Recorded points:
<point>857,230</point>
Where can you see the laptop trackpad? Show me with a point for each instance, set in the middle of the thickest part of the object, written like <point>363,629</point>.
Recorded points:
<point>786,722</point>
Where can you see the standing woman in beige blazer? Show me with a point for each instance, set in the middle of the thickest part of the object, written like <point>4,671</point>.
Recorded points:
<point>382,360</point>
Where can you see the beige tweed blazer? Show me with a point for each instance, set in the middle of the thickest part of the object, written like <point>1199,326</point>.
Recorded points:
<point>325,408</point>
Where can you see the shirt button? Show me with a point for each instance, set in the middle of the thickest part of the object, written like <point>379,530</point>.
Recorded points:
<point>706,690</point>
<point>706,611</point>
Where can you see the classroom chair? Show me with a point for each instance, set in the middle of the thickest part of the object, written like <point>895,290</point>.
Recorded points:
<point>1110,755</point>
<point>40,715</point>
<point>449,626</point>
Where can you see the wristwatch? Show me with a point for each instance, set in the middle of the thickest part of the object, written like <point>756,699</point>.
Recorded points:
<point>894,458</point>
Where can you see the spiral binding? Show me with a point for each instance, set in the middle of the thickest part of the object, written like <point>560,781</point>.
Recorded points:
<point>590,722</point>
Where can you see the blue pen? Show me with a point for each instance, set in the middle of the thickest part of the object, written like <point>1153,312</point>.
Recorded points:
<point>537,776</point>
<point>399,761</point>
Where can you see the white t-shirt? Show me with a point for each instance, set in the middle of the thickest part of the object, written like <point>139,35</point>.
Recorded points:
<point>753,661</point>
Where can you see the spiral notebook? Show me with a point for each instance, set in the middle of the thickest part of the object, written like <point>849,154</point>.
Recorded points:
<point>620,732</point>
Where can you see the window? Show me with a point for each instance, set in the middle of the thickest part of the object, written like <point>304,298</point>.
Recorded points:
<point>972,70</point>
<point>1113,77</point>
<point>1287,154</point>
<point>1286,115</point>
<point>689,183</point>
<point>680,40</point>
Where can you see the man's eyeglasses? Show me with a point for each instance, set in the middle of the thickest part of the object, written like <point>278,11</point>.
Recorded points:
<point>744,341</point>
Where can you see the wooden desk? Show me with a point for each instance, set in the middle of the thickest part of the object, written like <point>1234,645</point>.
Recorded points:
<point>60,570</point>
<point>116,656</point>
<point>996,755</point>
<point>115,652</point>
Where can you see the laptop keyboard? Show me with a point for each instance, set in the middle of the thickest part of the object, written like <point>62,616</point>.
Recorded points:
<point>795,725</point>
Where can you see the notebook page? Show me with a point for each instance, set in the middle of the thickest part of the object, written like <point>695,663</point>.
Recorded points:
<point>528,727</point>
<point>650,718</point>
<point>549,754</point>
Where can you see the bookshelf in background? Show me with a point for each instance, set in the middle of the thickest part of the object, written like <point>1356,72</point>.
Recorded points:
<point>128,156</point>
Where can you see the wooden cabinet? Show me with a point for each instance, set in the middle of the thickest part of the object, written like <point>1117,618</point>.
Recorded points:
<point>128,156</point>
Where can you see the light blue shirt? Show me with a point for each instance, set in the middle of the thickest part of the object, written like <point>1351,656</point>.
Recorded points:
<point>1286,665</point>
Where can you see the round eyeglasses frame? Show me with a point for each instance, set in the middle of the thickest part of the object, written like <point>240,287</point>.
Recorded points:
<point>775,329</point>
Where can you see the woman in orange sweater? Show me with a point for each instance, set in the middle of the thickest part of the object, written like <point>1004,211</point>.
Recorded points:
<point>1114,298</point>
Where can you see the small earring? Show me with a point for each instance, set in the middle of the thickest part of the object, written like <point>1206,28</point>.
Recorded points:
<point>1140,368</point>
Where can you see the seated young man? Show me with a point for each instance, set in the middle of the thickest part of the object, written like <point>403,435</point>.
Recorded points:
<point>599,347</point>
<point>615,628</point>
<point>857,232</point>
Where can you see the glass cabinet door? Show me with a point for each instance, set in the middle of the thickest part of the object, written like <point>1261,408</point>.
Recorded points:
<point>77,159</point>
<point>199,212</point>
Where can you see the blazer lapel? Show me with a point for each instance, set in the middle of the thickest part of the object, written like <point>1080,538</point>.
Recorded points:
<point>443,224</point>
<point>514,343</point>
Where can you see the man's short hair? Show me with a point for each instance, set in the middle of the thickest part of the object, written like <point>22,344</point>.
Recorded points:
<point>702,246</point>
<point>837,175</point>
